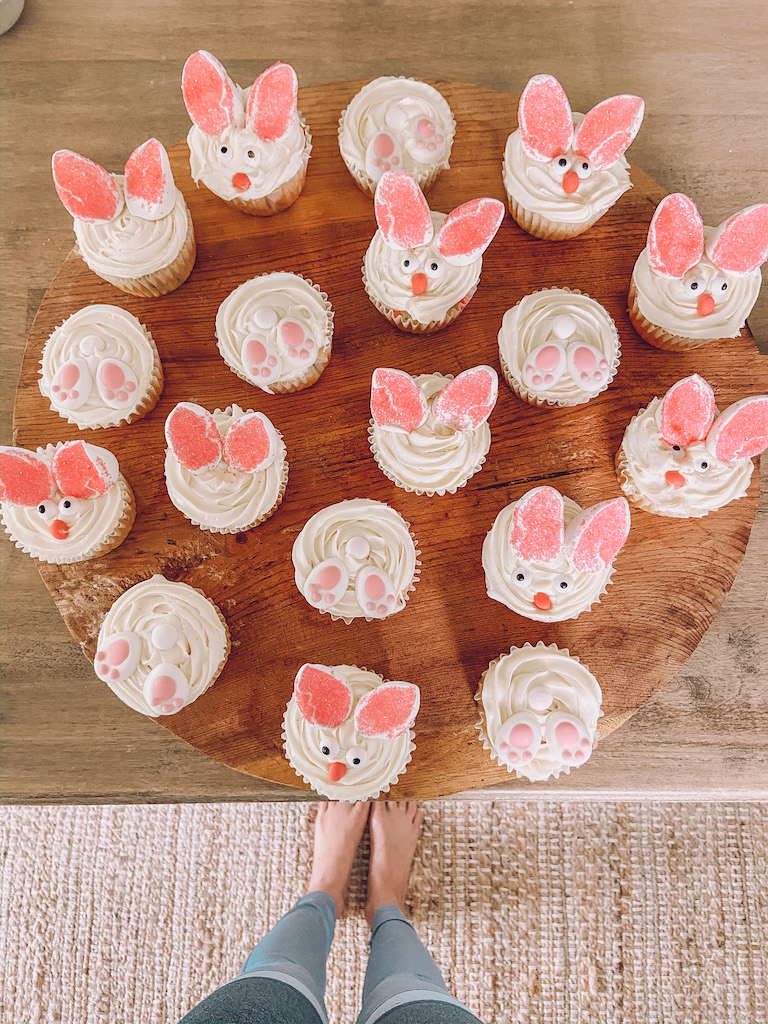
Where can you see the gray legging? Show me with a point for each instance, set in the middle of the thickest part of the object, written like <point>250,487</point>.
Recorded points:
<point>283,980</point>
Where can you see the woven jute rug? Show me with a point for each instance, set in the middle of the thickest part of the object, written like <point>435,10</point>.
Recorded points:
<point>535,912</point>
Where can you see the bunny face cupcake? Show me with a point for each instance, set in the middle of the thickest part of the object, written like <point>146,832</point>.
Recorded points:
<point>397,124</point>
<point>547,559</point>
<point>226,471</point>
<point>66,502</point>
<point>250,147</point>
<point>134,231</point>
<point>347,732</point>
<point>422,268</point>
<point>563,171</point>
<point>692,284</point>
<point>682,458</point>
<point>429,434</point>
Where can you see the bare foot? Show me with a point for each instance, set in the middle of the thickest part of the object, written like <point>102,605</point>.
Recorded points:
<point>395,830</point>
<point>338,831</point>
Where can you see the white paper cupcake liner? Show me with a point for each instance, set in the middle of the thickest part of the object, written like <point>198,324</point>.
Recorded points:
<point>543,227</point>
<point>421,492</point>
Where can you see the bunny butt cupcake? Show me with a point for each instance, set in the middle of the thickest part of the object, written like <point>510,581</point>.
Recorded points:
<point>66,502</point>
<point>397,124</point>
<point>539,708</point>
<point>225,471</point>
<point>563,171</point>
<point>548,559</point>
<point>134,231</point>
<point>693,284</point>
<point>347,732</point>
<point>161,646</point>
<point>429,434</point>
<point>680,457</point>
<point>422,268</point>
<point>250,147</point>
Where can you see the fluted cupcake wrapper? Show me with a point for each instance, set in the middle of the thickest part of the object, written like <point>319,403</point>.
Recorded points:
<point>539,226</point>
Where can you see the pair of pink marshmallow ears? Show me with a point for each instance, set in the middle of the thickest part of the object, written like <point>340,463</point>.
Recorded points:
<point>95,196</point>
<point>250,444</point>
<point>214,103</point>
<point>676,238</point>
<point>78,470</point>
<point>324,699</point>
<point>398,403</point>
<point>546,124</point>
<point>689,414</point>
<point>404,220</point>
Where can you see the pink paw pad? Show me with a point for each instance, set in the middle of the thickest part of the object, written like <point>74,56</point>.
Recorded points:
<point>71,386</point>
<point>545,366</point>
<point>519,739</point>
<point>116,382</point>
<point>166,689</point>
<point>568,739</point>
<point>327,583</point>
<point>117,657</point>
<point>383,154</point>
<point>375,592</point>
<point>261,364</point>
<point>587,366</point>
<point>424,141</point>
<point>297,345</point>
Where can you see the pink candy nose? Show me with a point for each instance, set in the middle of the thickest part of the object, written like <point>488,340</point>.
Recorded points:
<point>419,283</point>
<point>542,601</point>
<point>570,182</point>
<point>674,478</point>
<point>59,529</point>
<point>705,305</point>
<point>336,770</point>
<point>241,182</point>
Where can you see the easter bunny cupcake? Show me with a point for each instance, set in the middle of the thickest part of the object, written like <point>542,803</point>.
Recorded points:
<point>563,171</point>
<point>250,147</point>
<point>680,457</point>
<point>548,559</point>
<point>429,434</point>
<point>134,231</point>
<point>422,268</point>
<point>692,284</point>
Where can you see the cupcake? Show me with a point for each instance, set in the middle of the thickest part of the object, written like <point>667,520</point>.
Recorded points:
<point>692,284</point>
<point>133,230</point>
<point>161,646</point>
<point>680,457</point>
<point>422,268</point>
<point>250,147</point>
<point>429,434</point>
<point>101,368</point>
<point>347,732</point>
<point>276,331</point>
<point>539,708</point>
<point>563,171</point>
<point>356,559</point>
<point>396,124</point>
<point>558,347</point>
<point>66,502</point>
<point>548,559</point>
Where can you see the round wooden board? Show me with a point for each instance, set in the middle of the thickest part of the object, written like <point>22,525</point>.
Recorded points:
<point>671,578</point>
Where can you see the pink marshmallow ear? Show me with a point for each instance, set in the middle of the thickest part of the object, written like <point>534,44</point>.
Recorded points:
<point>210,95</point>
<point>271,108</point>
<point>402,212</point>
<point>687,411</point>
<point>545,118</point>
<point>608,130</point>
<point>388,711</point>
<point>25,478</point>
<point>193,437</point>
<point>740,244</point>
<point>323,698</point>
<point>468,400</point>
<point>397,402</point>
<point>87,191</point>
<point>595,537</point>
<point>675,236</point>
<point>538,525</point>
<point>468,230</point>
<point>149,188</point>
<point>250,444</point>
<point>741,431</point>
<point>84,470</point>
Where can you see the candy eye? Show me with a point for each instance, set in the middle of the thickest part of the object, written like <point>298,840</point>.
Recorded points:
<point>409,264</point>
<point>561,164</point>
<point>563,584</point>
<point>433,268</point>
<point>521,578</point>
<point>582,167</point>
<point>696,285</point>
<point>357,757</point>
<point>701,465</point>
<point>718,285</point>
<point>48,509</point>
<point>329,748</point>
<point>251,158</point>
<point>69,507</point>
<point>225,154</point>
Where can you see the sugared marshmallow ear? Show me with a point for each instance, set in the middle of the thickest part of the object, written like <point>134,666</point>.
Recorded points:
<point>87,191</point>
<point>687,411</point>
<point>25,479</point>
<point>250,444</point>
<point>402,212</point>
<point>323,698</point>
<point>608,130</point>
<point>545,118</point>
<point>193,437</point>
<point>388,711</point>
<point>468,400</point>
<point>271,108</point>
<point>150,191</point>
<point>595,537</point>
<point>209,93</point>
<point>740,244</point>
<point>538,525</point>
<point>468,230</point>
<point>741,431</point>
<point>675,236</point>
<point>84,470</point>
<point>397,402</point>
